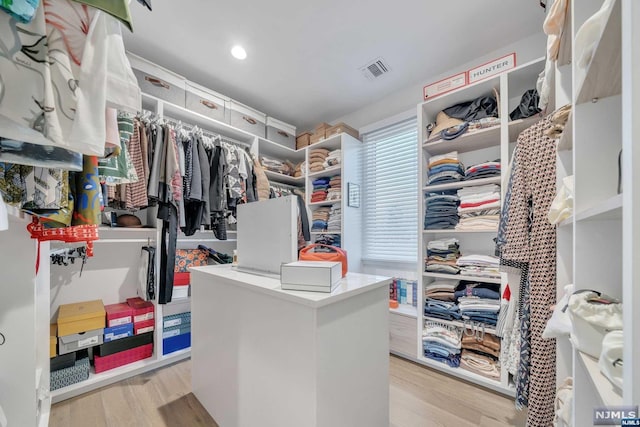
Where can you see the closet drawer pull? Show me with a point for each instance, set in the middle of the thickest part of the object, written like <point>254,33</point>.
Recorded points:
<point>157,82</point>
<point>283,133</point>
<point>249,120</point>
<point>208,104</point>
<point>2,339</point>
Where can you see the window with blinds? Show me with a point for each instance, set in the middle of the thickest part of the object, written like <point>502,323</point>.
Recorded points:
<point>390,193</point>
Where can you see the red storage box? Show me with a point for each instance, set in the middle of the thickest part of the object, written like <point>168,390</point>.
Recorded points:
<point>180,279</point>
<point>144,326</point>
<point>118,314</point>
<point>104,363</point>
<point>142,310</point>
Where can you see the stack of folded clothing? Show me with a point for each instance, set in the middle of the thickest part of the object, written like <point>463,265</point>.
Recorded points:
<point>483,170</point>
<point>320,219</point>
<point>320,186</point>
<point>443,290</point>
<point>442,343</point>
<point>486,122</point>
<point>317,156</point>
<point>278,166</point>
<point>328,239</point>
<point>479,207</point>
<point>299,170</point>
<point>442,256</point>
<point>480,355</point>
<point>445,310</point>
<point>478,301</point>
<point>335,189</point>
<point>479,265</point>
<point>333,158</point>
<point>441,210</point>
<point>335,218</point>
<point>445,168</point>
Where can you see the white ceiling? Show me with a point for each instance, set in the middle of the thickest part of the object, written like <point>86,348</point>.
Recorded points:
<point>304,55</point>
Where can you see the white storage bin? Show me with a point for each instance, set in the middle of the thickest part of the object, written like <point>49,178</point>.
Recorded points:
<point>207,102</point>
<point>281,133</point>
<point>157,81</point>
<point>315,276</point>
<point>592,321</point>
<point>246,118</point>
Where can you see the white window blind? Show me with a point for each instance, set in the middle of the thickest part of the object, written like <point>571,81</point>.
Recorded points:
<point>390,193</point>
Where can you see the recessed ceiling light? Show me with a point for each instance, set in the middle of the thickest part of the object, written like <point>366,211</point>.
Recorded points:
<point>238,52</point>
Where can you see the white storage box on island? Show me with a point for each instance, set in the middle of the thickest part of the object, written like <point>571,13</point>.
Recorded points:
<point>316,276</point>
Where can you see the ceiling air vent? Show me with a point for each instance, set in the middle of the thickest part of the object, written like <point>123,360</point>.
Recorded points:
<point>375,69</point>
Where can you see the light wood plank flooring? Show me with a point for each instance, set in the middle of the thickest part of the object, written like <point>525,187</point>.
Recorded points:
<point>419,397</point>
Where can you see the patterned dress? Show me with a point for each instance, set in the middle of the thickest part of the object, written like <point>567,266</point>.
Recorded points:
<point>528,247</point>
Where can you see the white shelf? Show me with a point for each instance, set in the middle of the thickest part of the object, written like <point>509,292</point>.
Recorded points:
<point>459,324</point>
<point>609,395</point>
<point>453,230</point>
<point>332,171</point>
<point>284,179</point>
<point>470,141</point>
<point>331,143</point>
<point>566,222</point>
<point>565,142</point>
<point>466,375</point>
<point>517,126</point>
<point>272,149</point>
<point>114,375</point>
<point>326,232</point>
<point>142,235</point>
<point>405,310</point>
<point>603,76</point>
<point>461,184</point>
<point>325,203</point>
<point>607,210</point>
<point>461,277</point>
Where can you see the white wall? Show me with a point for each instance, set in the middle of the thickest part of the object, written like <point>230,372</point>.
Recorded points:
<point>526,50</point>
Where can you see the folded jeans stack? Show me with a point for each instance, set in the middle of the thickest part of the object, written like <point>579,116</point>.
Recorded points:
<point>445,168</point>
<point>335,218</point>
<point>332,159</point>
<point>317,157</point>
<point>442,343</point>
<point>335,188</point>
<point>441,210</point>
<point>443,290</point>
<point>442,256</point>
<point>328,239</point>
<point>320,186</point>
<point>482,170</point>
<point>320,219</point>
<point>479,207</point>
<point>479,265</point>
<point>445,310</point>
<point>481,310</point>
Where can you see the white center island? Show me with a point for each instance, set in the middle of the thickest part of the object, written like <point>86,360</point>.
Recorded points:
<point>266,357</point>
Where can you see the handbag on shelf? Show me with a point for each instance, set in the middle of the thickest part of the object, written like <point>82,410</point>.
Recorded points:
<point>335,254</point>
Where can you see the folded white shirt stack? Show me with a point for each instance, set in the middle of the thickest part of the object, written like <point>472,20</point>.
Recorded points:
<point>479,265</point>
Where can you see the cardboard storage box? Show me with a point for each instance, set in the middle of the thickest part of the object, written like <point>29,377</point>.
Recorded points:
<point>72,375</point>
<point>157,81</point>
<point>118,314</point>
<point>281,133</point>
<point>53,340</point>
<point>80,317</point>
<point>105,363</point>
<point>341,128</point>
<point>207,102</point>
<point>178,342</point>
<point>303,140</point>
<point>123,344</point>
<point>73,342</point>
<point>176,330</point>
<point>144,326</point>
<point>316,137</point>
<point>248,119</point>
<point>176,320</point>
<point>142,310</point>
<point>63,361</point>
<point>117,332</point>
<point>317,276</point>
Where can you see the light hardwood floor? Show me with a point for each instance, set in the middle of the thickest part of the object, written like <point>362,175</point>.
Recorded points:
<point>419,397</point>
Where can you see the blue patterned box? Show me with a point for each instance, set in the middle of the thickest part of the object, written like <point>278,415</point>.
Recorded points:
<point>117,332</point>
<point>176,330</point>
<point>176,320</point>
<point>72,375</point>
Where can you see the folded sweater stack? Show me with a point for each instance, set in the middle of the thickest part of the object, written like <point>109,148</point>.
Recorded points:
<point>445,168</point>
<point>320,219</point>
<point>333,159</point>
<point>442,343</point>
<point>442,256</point>
<point>317,157</point>
<point>320,187</point>
<point>479,265</point>
<point>335,192</point>
<point>335,218</point>
<point>479,207</point>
